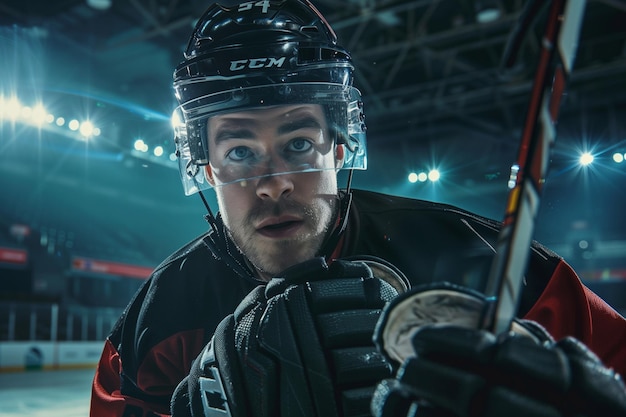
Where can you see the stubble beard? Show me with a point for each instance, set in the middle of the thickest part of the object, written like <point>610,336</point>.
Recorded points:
<point>271,258</point>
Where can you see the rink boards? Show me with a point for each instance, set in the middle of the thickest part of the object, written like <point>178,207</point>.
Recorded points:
<point>35,355</point>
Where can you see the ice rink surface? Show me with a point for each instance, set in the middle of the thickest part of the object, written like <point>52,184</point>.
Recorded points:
<point>46,393</point>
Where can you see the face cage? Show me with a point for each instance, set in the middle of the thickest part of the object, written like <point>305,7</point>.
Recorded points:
<point>342,106</point>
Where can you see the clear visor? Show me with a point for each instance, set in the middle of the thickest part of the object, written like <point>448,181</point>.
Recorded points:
<point>251,133</point>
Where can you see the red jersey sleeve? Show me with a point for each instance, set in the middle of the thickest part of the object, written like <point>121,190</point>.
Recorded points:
<point>568,308</point>
<point>106,397</point>
<point>165,365</point>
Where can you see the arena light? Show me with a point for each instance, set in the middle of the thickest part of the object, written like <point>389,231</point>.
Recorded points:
<point>12,109</point>
<point>86,129</point>
<point>158,151</point>
<point>38,115</point>
<point>487,11</point>
<point>414,177</point>
<point>26,112</point>
<point>434,175</point>
<point>618,157</point>
<point>74,125</point>
<point>100,4</point>
<point>586,158</point>
<point>488,15</point>
<point>140,145</point>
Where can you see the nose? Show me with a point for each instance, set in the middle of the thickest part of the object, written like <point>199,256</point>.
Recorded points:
<point>275,186</point>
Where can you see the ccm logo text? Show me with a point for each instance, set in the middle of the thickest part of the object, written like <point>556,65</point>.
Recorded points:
<point>255,63</point>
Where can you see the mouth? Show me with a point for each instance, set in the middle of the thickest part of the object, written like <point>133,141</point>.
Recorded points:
<point>279,228</point>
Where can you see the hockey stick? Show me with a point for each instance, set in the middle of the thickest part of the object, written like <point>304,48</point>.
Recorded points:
<point>495,309</point>
<point>559,44</point>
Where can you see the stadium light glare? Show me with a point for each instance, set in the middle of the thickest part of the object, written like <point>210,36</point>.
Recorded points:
<point>140,145</point>
<point>586,158</point>
<point>74,125</point>
<point>26,112</point>
<point>39,114</point>
<point>12,108</point>
<point>412,177</point>
<point>158,151</point>
<point>618,157</point>
<point>86,129</point>
<point>9,108</point>
<point>434,175</point>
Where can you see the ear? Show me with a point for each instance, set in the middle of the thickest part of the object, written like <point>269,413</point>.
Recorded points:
<point>208,173</point>
<point>340,153</point>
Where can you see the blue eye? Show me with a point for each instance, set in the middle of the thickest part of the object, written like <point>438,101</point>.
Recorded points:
<point>239,153</point>
<point>299,145</point>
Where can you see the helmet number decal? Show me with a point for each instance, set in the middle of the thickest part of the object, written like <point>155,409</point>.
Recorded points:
<point>248,5</point>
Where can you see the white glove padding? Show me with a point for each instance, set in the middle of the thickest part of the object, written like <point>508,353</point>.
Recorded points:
<point>463,372</point>
<point>301,346</point>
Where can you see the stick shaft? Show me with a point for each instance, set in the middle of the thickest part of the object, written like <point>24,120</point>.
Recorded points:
<point>528,174</point>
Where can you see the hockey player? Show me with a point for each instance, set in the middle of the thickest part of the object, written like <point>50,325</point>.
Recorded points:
<point>287,285</point>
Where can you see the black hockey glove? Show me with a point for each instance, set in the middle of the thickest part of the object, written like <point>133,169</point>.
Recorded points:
<point>301,346</point>
<point>462,372</point>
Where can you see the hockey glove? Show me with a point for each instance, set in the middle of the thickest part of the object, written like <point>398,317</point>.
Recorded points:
<point>462,372</point>
<point>301,346</point>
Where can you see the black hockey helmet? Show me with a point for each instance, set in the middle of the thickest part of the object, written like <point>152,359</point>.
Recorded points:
<point>257,54</point>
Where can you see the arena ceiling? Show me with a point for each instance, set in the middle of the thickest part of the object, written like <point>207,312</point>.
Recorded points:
<point>434,93</point>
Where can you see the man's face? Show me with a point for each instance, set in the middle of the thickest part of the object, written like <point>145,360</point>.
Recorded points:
<point>276,215</point>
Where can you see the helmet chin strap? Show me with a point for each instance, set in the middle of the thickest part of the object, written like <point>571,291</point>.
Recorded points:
<point>332,240</point>
<point>221,244</point>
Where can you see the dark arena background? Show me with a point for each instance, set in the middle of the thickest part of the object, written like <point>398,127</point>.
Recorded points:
<point>91,202</point>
